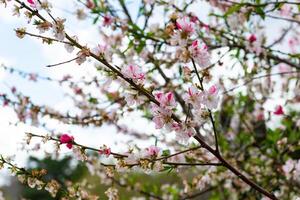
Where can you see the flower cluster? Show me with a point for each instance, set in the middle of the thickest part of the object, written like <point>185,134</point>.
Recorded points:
<point>198,99</point>
<point>189,48</point>
<point>133,72</point>
<point>162,113</point>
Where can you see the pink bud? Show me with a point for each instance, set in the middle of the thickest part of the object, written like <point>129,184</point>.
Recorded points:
<point>213,90</point>
<point>195,43</point>
<point>278,110</point>
<point>90,4</point>
<point>252,38</point>
<point>65,138</point>
<point>30,1</point>
<point>69,145</point>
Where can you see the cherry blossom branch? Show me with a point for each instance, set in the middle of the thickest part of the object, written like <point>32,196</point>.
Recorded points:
<point>84,147</point>
<point>44,38</point>
<point>210,113</point>
<point>62,63</point>
<point>151,98</point>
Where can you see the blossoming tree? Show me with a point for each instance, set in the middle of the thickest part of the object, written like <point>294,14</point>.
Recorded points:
<point>209,86</point>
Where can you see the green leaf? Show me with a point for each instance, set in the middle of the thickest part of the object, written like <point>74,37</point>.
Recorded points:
<point>233,9</point>
<point>166,152</point>
<point>260,12</point>
<point>141,46</point>
<point>93,100</point>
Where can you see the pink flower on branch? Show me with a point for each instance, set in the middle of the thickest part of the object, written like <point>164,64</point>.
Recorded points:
<point>107,20</point>
<point>133,72</point>
<point>166,100</point>
<point>185,25</point>
<point>211,97</point>
<point>104,150</point>
<point>67,139</point>
<point>194,97</point>
<point>199,52</point>
<point>152,151</point>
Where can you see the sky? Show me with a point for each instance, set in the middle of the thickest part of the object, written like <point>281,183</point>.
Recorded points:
<point>31,55</point>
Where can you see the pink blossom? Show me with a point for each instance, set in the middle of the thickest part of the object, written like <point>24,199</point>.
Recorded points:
<point>199,52</point>
<point>33,3</point>
<point>255,43</point>
<point>194,97</point>
<point>185,25</point>
<point>133,72</point>
<point>103,51</point>
<point>107,20</point>
<point>185,134</point>
<point>162,113</point>
<point>211,97</point>
<point>152,151</point>
<point>213,90</point>
<point>67,139</point>
<point>252,38</point>
<point>166,100</point>
<point>105,151</point>
<point>161,116</point>
<point>278,110</point>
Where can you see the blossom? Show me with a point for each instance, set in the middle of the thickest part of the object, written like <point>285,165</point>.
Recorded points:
<point>152,151</point>
<point>166,100</point>
<point>107,20</point>
<point>59,29</point>
<point>185,28</point>
<point>211,97</point>
<point>67,139</point>
<point>278,110</point>
<point>103,51</point>
<point>105,151</point>
<point>200,53</point>
<point>39,4</point>
<point>185,132</point>
<point>52,187</point>
<point>33,3</point>
<point>134,97</point>
<point>252,38</point>
<point>194,97</point>
<point>112,193</point>
<point>82,55</point>
<point>133,72</point>
<point>254,43</point>
<point>161,116</point>
<point>185,25</point>
<point>162,113</point>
